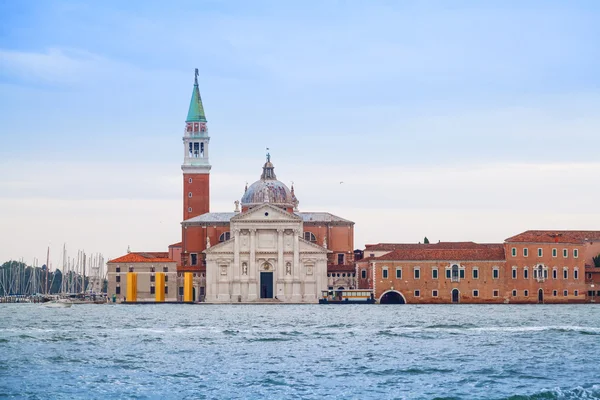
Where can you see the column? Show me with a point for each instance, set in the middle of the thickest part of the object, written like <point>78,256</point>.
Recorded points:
<point>296,294</point>
<point>236,290</point>
<point>252,273</point>
<point>280,286</point>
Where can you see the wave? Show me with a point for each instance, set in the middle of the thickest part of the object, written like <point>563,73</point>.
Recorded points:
<point>561,394</point>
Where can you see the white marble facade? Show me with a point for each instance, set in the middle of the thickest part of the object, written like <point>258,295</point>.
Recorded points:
<point>265,246</point>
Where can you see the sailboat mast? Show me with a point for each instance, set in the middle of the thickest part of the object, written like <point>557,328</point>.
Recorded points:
<point>47,268</point>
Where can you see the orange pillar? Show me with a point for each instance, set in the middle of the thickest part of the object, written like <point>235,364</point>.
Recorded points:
<point>159,290</point>
<point>188,286</point>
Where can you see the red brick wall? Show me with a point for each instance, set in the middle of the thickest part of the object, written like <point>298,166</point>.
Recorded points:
<point>200,200</point>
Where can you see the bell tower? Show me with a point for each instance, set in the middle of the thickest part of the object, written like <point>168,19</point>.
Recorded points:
<point>195,167</point>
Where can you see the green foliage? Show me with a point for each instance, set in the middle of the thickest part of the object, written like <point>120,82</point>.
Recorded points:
<point>596,261</point>
<point>426,241</point>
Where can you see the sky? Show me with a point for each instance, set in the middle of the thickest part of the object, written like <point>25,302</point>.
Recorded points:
<point>455,120</point>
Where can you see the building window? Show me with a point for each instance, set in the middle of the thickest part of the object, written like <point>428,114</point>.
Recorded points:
<point>514,272</point>
<point>514,293</point>
<point>434,293</point>
<point>363,273</point>
<point>166,289</point>
<point>152,269</point>
<point>575,253</point>
<point>554,252</point>
<point>496,293</point>
<point>152,290</point>
<point>417,273</point>
<point>540,252</point>
<point>152,278</point>
<point>130,268</point>
<point>514,251</point>
<point>165,269</point>
<point>455,273</point>
<point>166,278</point>
<point>448,274</point>
<point>525,273</point>
<point>417,293</point>
<point>526,293</point>
<point>190,180</point>
<point>340,259</point>
<point>398,273</point>
<point>461,273</point>
<point>576,293</point>
<point>475,293</point>
<point>118,290</point>
<point>555,293</point>
<point>194,259</point>
<point>434,273</point>
<point>565,253</point>
<point>554,273</point>
<point>495,273</point>
<point>118,269</point>
<point>310,237</point>
<point>189,194</point>
<point>384,273</point>
<point>545,272</point>
<point>224,236</point>
<point>189,209</point>
<point>565,273</point>
<point>118,278</point>
<point>565,293</point>
<point>525,252</point>
<point>475,273</point>
<point>575,273</point>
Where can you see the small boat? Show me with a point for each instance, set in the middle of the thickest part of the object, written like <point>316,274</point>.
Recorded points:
<point>347,296</point>
<point>58,303</point>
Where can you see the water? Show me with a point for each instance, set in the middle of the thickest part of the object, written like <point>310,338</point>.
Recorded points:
<point>300,351</point>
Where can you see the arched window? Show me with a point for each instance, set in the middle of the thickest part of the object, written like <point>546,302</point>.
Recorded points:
<point>455,272</point>
<point>224,236</point>
<point>309,236</point>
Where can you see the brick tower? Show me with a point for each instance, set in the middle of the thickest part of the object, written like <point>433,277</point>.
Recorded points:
<point>195,167</point>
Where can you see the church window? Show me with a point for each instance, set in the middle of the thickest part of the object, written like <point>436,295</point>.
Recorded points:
<point>190,180</point>
<point>224,236</point>
<point>202,150</point>
<point>194,259</point>
<point>310,237</point>
<point>189,209</point>
<point>340,259</point>
<point>363,274</point>
<point>190,194</point>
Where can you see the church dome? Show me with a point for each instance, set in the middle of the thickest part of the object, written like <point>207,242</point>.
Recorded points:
<point>268,190</point>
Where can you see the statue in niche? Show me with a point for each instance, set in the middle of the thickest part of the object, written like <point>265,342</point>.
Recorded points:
<point>237,206</point>
<point>244,269</point>
<point>288,269</point>
<point>325,241</point>
<point>207,242</point>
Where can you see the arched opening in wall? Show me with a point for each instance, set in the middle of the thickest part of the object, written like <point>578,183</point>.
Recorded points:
<point>455,296</point>
<point>392,297</point>
<point>541,296</point>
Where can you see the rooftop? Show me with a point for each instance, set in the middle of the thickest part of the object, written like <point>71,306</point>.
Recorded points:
<point>143,257</point>
<point>455,251</point>
<point>555,236</point>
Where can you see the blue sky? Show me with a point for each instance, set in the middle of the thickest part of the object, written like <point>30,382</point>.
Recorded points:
<point>459,120</point>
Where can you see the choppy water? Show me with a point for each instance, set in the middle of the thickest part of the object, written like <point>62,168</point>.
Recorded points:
<point>313,352</point>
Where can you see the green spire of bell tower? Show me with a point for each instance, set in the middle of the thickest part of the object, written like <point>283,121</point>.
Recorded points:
<point>196,111</point>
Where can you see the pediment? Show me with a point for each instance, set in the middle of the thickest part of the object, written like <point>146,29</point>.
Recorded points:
<point>223,247</point>
<point>306,246</point>
<point>266,212</point>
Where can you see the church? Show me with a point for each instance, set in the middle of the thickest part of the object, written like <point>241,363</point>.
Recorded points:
<point>265,250</point>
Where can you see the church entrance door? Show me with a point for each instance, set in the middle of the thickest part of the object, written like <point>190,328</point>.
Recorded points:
<point>266,285</point>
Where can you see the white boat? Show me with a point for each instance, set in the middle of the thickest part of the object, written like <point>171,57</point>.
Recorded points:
<point>59,303</point>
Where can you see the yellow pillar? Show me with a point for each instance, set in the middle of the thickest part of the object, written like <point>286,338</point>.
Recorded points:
<point>159,290</point>
<point>188,285</point>
<point>131,287</point>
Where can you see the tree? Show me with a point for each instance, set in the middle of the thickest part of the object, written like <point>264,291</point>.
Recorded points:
<point>426,241</point>
<point>596,261</point>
